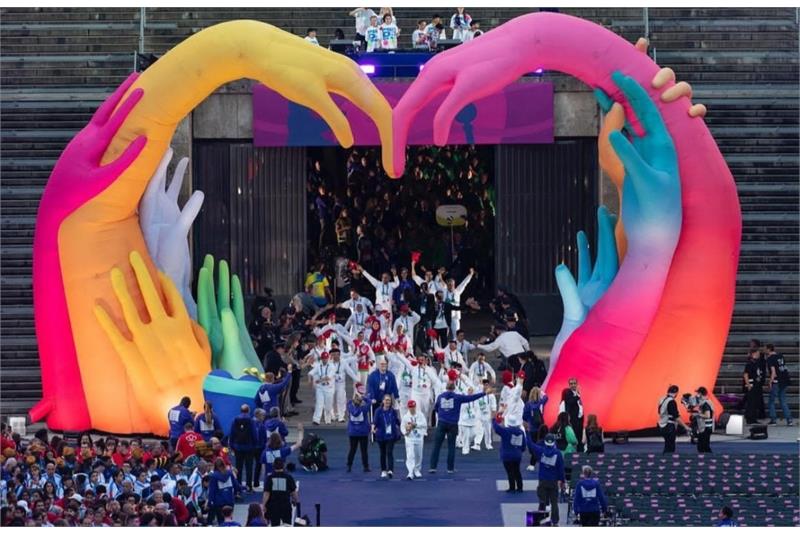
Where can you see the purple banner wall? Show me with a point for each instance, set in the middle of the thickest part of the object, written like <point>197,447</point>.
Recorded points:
<point>520,114</point>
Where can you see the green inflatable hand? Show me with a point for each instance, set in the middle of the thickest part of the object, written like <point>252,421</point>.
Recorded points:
<point>223,319</point>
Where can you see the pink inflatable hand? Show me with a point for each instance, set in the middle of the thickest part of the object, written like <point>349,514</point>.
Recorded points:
<point>77,177</point>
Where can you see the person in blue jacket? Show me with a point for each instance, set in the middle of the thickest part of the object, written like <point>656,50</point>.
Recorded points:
<point>551,474</point>
<point>207,423</point>
<point>726,518</point>
<point>358,426</point>
<point>276,448</point>
<point>533,417</point>
<point>178,417</point>
<point>448,409</point>
<point>589,499</point>
<point>275,424</point>
<point>381,382</point>
<point>222,490</point>
<point>259,422</point>
<point>512,445</point>
<point>244,441</point>
<point>386,428</point>
<point>269,394</point>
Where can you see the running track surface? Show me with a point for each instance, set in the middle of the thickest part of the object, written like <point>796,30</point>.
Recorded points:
<point>469,497</point>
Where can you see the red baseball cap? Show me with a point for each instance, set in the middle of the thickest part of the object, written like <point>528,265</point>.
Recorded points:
<point>412,403</point>
<point>324,355</point>
<point>508,377</point>
<point>452,374</point>
<point>521,375</point>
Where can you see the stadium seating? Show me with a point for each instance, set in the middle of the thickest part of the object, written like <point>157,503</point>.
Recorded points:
<point>58,63</point>
<point>658,490</point>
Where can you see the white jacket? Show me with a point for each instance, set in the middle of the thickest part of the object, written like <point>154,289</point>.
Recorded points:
<point>508,343</point>
<point>419,431</point>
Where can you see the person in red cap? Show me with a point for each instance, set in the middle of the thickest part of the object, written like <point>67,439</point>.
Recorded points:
<point>414,427</point>
<point>365,357</point>
<point>511,402</point>
<point>323,377</point>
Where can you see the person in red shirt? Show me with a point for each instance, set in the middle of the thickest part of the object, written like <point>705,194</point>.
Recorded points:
<point>219,451</point>
<point>187,440</point>
<point>122,453</point>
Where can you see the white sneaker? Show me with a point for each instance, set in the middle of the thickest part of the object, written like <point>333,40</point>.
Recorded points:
<point>530,468</point>
<point>341,420</point>
<point>383,474</point>
<point>464,451</point>
<point>476,447</point>
<point>417,474</point>
<point>489,448</point>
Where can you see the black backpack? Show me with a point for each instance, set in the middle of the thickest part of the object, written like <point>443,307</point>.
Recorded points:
<point>594,441</point>
<point>241,434</point>
<point>561,439</point>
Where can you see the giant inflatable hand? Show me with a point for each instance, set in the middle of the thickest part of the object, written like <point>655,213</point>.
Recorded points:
<point>97,233</point>
<point>625,353</point>
<point>221,314</point>
<point>77,176</point>
<point>166,226</point>
<point>157,380</point>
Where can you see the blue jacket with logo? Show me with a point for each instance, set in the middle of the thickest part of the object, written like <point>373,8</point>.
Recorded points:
<point>374,389</point>
<point>178,417</point>
<point>358,418</point>
<point>589,497</point>
<point>512,442</point>
<point>387,424</point>
<point>551,462</point>
<point>222,489</point>
<point>276,425</point>
<point>448,405</point>
<point>268,395</point>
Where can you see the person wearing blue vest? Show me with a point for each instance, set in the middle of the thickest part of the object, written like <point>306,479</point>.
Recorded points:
<point>244,441</point>
<point>207,423</point>
<point>269,394</point>
<point>358,426</point>
<point>276,424</point>
<point>381,382</point>
<point>386,427</point>
<point>178,417</point>
<point>221,491</point>
<point>551,474</point>
<point>448,410</point>
<point>512,445</point>
<point>589,499</point>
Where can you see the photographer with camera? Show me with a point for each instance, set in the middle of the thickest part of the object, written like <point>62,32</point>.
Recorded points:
<point>754,386</point>
<point>669,418</point>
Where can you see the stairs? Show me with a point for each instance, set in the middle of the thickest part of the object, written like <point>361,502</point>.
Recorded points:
<point>58,64</point>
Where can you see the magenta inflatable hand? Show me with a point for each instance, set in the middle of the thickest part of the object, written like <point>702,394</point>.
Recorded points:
<point>77,177</point>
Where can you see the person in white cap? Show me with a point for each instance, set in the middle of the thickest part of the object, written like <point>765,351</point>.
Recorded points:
<point>512,445</point>
<point>487,408</point>
<point>343,367</point>
<point>414,427</point>
<point>323,377</point>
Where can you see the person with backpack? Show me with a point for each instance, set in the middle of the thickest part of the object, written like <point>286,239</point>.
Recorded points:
<point>358,427</point>
<point>589,500</point>
<point>778,381</point>
<point>512,444</point>
<point>313,453</point>
<point>533,417</point>
<point>551,474</point>
<point>222,490</point>
<point>564,435</point>
<point>244,440</point>
<point>594,435</point>
<point>386,428</point>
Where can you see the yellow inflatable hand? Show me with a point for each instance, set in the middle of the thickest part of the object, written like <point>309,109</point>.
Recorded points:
<point>167,357</point>
<point>99,236</point>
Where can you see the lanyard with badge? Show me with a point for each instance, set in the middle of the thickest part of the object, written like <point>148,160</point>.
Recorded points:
<point>387,423</point>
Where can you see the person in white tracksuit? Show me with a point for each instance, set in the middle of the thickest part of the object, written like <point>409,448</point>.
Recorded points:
<point>487,407</point>
<point>414,426</point>
<point>343,367</point>
<point>323,376</point>
<point>453,356</point>
<point>511,397</point>
<point>383,289</point>
<point>480,370</point>
<point>424,383</point>
<point>408,319</point>
<point>452,294</point>
<point>399,366</point>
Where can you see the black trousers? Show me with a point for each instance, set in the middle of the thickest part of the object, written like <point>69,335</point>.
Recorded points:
<point>295,386</point>
<point>387,455</point>
<point>589,519</point>
<point>278,514</point>
<point>442,333</point>
<point>704,440</point>
<point>669,433</point>
<point>514,475</point>
<point>244,467</point>
<point>577,426</point>
<point>754,404</point>
<point>356,442</point>
<point>548,494</point>
<point>215,512</point>
<point>450,431</point>
<point>257,466</point>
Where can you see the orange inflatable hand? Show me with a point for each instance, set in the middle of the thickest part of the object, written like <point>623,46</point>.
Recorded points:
<point>167,357</point>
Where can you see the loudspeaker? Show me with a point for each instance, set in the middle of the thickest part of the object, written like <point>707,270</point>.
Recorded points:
<point>620,438</point>
<point>758,432</point>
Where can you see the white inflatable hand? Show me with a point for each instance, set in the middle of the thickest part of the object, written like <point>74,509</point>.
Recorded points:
<point>166,227</point>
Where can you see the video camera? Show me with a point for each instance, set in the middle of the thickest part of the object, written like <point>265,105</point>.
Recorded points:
<point>692,403</point>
